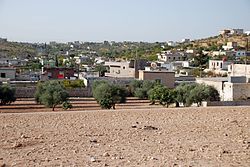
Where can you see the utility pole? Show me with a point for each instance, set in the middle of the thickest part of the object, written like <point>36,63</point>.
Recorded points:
<point>246,49</point>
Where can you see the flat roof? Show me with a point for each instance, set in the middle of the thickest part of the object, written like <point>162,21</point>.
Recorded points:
<point>215,79</point>
<point>157,71</point>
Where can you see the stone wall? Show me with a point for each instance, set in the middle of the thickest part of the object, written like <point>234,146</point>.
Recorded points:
<point>29,92</point>
<point>226,103</point>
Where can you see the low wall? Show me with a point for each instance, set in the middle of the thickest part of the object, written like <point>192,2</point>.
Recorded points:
<point>226,103</point>
<point>29,92</point>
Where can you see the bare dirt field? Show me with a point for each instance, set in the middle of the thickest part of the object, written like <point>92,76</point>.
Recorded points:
<point>79,104</point>
<point>127,137</point>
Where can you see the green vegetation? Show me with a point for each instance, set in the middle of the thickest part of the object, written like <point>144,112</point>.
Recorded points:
<point>140,88</point>
<point>51,94</point>
<point>161,94</point>
<point>73,83</point>
<point>7,95</point>
<point>101,69</point>
<point>107,95</point>
<point>195,93</point>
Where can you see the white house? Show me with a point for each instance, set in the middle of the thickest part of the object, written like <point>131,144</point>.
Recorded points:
<point>185,40</point>
<point>237,31</point>
<point>239,70</point>
<point>231,88</point>
<point>169,56</point>
<point>171,43</point>
<point>230,46</point>
<point>219,64</point>
<point>247,32</point>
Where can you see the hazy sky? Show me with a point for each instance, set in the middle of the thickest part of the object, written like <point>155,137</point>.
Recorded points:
<point>119,20</point>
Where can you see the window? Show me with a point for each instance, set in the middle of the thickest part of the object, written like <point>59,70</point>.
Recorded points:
<point>158,81</point>
<point>3,75</point>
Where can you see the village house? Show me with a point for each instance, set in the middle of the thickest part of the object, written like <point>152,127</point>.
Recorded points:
<point>57,73</point>
<point>128,69</point>
<point>170,56</point>
<point>230,46</point>
<point>8,73</point>
<point>164,77</point>
<point>231,32</point>
<point>242,53</point>
<point>219,65</point>
<point>233,88</point>
<point>239,70</point>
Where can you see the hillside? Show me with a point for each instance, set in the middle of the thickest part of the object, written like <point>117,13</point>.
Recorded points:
<point>220,40</point>
<point>15,49</point>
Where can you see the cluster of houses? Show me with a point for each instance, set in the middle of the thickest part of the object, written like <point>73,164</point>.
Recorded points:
<point>172,68</point>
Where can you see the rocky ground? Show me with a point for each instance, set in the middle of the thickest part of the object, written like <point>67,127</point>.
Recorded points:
<point>126,137</point>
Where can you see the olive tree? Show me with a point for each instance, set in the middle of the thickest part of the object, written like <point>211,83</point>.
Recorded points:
<point>51,94</point>
<point>161,94</point>
<point>7,95</point>
<point>141,88</point>
<point>107,94</point>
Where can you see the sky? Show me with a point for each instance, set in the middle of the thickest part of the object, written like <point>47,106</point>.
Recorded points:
<point>119,20</point>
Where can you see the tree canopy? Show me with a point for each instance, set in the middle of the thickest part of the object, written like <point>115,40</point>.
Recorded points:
<point>7,95</point>
<point>107,94</point>
<point>51,94</point>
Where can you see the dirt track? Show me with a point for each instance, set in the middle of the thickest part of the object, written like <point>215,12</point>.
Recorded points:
<point>153,137</point>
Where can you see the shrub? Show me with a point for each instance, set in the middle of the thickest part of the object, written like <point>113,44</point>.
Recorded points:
<point>73,83</point>
<point>66,105</point>
<point>7,95</point>
<point>51,94</point>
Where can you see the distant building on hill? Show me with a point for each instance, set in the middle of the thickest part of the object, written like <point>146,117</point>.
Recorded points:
<point>231,32</point>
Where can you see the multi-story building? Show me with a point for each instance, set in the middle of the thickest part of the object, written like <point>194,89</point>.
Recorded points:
<point>128,69</point>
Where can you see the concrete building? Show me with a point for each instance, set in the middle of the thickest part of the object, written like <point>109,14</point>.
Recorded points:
<point>247,32</point>
<point>242,53</point>
<point>185,40</point>
<point>8,73</point>
<point>57,73</point>
<point>231,32</point>
<point>216,82</point>
<point>232,88</point>
<point>125,69</point>
<point>230,46</point>
<point>219,64</point>
<point>81,59</point>
<point>237,31</point>
<point>169,56</point>
<point>171,43</point>
<point>239,70</point>
<point>164,77</point>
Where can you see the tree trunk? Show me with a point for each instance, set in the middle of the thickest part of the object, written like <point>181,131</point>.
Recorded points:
<point>53,108</point>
